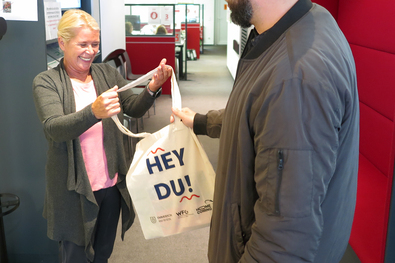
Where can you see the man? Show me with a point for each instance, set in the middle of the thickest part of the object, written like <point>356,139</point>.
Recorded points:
<point>286,181</point>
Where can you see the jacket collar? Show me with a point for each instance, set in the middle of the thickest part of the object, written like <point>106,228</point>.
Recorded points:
<point>259,43</point>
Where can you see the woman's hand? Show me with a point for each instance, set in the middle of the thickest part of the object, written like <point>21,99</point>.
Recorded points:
<point>107,104</point>
<point>163,73</point>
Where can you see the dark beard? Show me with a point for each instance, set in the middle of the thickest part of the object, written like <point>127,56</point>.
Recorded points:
<point>241,13</point>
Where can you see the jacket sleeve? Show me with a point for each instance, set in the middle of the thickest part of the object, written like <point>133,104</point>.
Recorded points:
<point>209,124</point>
<point>136,105</point>
<point>295,140</point>
<point>58,125</point>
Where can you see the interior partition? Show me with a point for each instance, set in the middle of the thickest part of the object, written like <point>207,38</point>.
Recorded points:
<point>145,53</point>
<point>367,26</point>
<point>193,37</point>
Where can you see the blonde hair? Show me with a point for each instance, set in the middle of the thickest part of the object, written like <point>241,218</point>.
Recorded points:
<point>128,27</point>
<point>73,19</point>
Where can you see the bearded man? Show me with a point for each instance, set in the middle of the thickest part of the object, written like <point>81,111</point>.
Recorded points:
<point>286,180</point>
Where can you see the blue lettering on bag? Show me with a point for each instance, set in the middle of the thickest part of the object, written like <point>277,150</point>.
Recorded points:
<point>166,161</point>
<point>163,190</point>
<point>159,193</point>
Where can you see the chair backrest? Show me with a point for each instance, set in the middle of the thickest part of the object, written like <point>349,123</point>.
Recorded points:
<point>119,60</point>
<point>129,72</point>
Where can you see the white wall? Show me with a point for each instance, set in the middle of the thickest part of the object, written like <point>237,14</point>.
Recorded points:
<point>95,10</point>
<point>232,58</point>
<point>221,25</point>
<point>209,20</point>
<point>112,23</point>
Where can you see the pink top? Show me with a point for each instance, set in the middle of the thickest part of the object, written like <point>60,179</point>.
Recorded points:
<point>92,140</point>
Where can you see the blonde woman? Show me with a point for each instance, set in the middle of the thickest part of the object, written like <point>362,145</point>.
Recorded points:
<point>86,167</point>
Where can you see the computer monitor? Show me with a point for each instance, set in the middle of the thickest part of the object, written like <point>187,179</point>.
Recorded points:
<point>135,20</point>
<point>69,4</point>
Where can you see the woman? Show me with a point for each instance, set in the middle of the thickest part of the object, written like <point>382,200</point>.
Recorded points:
<point>161,30</point>
<point>86,167</point>
<point>128,28</point>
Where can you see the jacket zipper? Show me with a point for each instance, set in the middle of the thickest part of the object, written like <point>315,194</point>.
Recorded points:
<point>280,167</point>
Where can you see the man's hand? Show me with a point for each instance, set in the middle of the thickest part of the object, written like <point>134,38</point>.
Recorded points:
<point>107,104</point>
<point>185,114</point>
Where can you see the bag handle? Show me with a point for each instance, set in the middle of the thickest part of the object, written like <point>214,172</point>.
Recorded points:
<point>175,95</point>
<point>176,101</point>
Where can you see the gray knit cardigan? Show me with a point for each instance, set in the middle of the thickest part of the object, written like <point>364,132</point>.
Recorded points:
<point>70,206</point>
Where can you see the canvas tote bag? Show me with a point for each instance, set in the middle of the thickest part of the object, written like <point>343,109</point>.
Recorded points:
<point>171,180</point>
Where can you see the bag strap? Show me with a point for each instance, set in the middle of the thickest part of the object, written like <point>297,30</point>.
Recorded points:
<point>175,95</point>
<point>176,101</point>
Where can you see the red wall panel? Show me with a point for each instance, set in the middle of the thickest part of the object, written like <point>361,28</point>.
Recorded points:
<point>369,27</point>
<point>145,53</point>
<point>193,37</point>
<point>331,5</point>
<point>369,23</point>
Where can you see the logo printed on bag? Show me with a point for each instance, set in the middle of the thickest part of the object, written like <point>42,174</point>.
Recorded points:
<point>153,219</point>
<point>205,208</point>
<point>165,218</point>
<point>183,213</point>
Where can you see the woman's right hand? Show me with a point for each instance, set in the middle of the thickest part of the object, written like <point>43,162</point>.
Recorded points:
<point>107,104</point>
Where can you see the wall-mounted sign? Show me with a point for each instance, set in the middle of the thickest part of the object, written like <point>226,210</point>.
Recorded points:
<point>154,13</point>
<point>167,15</point>
<point>53,13</point>
<point>22,10</point>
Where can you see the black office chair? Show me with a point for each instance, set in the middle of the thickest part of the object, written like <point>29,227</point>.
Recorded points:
<point>10,202</point>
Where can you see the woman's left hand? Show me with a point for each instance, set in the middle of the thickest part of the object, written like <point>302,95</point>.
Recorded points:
<point>162,74</point>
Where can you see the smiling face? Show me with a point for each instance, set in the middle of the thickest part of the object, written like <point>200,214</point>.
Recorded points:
<point>80,51</point>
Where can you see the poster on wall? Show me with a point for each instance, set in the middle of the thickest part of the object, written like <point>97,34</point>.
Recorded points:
<point>21,10</point>
<point>53,13</point>
<point>154,13</point>
<point>167,15</point>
